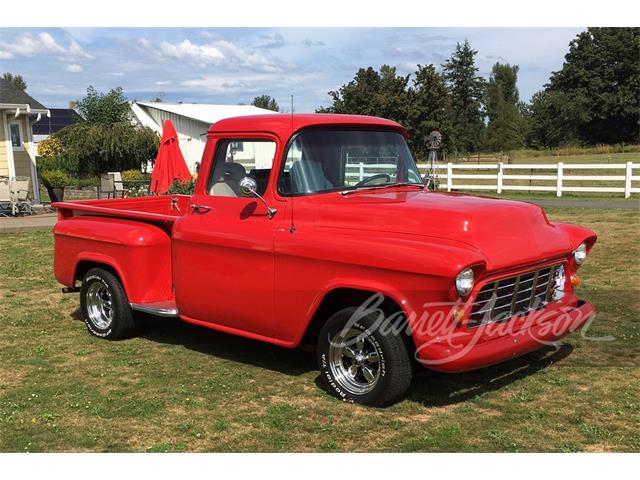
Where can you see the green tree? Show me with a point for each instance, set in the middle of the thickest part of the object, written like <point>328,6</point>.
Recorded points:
<point>594,97</point>
<point>554,120</point>
<point>105,108</point>
<point>267,102</point>
<point>466,89</point>
<point>382,94</point>
<point>17,80</point>
<point>430,109</point>
<point>106,140</point>
<point>504,130</point>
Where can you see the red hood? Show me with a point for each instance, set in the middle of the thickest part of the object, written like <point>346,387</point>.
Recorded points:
<point>506,233</point>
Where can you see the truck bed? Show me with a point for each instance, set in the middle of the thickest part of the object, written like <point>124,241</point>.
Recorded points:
<point>158,208</point>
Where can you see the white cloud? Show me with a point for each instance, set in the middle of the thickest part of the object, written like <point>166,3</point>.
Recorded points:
<point>163,82</point>
<point>76,51</point>
<point>73,68</point>
<point>214,53</point>
<point>200,55</point>
<point>42,44</point>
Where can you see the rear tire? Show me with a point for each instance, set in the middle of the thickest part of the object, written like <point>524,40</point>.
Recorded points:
<point>104,305</point>
<point>360,364</point>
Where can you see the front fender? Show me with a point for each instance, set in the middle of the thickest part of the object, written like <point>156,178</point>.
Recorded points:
<point>577,234</point>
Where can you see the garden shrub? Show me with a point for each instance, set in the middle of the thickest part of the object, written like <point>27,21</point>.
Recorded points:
<point>134,176</point>
<point>182,188</point>
<point>54,178</point>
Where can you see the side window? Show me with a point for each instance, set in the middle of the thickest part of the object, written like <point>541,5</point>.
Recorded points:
<point>236,159</point>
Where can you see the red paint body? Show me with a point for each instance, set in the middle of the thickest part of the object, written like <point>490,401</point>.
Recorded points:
<point>233,269</point>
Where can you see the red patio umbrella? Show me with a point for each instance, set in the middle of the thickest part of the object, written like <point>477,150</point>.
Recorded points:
<point>170,164</point>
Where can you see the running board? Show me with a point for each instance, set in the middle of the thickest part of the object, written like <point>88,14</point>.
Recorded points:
<point>160,309</point>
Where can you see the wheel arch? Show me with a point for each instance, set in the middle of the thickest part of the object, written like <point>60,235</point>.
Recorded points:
<point>338,298</point>
<point>84,264</point>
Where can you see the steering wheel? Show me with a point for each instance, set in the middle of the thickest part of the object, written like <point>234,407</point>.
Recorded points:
<point>374,177</point>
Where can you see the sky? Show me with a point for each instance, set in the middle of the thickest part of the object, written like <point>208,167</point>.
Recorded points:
<point>233,65</point>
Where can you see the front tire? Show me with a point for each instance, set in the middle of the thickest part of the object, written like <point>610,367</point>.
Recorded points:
<point>104,306</point>
<point>361,364</point>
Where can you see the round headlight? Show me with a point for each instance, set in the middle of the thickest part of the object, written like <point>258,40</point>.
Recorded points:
<point>464,282</point>
<point>580,253</point>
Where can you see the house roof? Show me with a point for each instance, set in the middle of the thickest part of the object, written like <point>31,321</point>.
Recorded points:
<point>204,112</point>
<point>60,118</point>
<point>10,94</point>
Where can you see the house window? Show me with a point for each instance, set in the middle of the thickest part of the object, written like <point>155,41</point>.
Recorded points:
<point>16,138</point>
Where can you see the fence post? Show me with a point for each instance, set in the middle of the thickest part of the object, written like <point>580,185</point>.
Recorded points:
<point>499,186</point>
<point>449,176</point>
<point>627,181</point>
<point>559,179</point>
<point>361,171</point>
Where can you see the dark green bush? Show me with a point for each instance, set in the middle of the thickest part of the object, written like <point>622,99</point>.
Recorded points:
<point>100,148</point>
<point>64,163</point>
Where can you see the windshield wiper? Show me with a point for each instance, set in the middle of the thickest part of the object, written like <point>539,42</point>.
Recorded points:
<point>380,187</point>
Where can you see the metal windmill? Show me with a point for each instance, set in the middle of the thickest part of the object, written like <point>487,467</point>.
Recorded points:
<point>433,141</point>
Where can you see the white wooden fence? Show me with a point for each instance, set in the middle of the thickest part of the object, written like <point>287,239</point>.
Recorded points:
<point>554,176</point>
<point>500,172</point>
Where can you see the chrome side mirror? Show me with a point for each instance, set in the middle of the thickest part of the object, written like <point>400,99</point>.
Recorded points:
<point>249,188</point>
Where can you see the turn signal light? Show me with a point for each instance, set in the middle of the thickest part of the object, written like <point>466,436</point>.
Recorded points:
<point>575,280</point>
<point>458,314</point>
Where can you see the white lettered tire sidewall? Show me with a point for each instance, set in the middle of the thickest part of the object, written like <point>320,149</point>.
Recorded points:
<point>122,324</point>
<point>395,365</point>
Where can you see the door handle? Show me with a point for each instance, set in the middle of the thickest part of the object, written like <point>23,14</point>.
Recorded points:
<point>200,208</point>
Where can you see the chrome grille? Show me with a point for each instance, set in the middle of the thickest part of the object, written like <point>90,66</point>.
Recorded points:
<point>509,297</point>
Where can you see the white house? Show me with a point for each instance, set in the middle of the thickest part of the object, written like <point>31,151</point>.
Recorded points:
<point>192,120</point>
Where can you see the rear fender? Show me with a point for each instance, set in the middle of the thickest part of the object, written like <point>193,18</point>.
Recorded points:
<point>140,253</point>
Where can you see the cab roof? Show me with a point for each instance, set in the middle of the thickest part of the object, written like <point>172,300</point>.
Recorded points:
<point>284,125</point>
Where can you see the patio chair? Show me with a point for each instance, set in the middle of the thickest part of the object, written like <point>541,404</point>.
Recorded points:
<point>106,185</point>
<point>20,191</point>
<point>6,199</point>
<point>111,184</point>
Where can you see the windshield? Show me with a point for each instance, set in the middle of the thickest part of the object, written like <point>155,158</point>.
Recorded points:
<point>327,160</point>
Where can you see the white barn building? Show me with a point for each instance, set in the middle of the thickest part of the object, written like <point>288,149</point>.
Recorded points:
<point>192,120</point>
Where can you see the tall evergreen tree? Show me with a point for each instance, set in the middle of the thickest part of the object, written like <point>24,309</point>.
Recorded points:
<point>504,130</point>
<point>466,89</point>
<point>430,109</point>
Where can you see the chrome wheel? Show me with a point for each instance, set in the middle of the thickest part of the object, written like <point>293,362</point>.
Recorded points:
<point>99,305</point>
<point>354,360</point>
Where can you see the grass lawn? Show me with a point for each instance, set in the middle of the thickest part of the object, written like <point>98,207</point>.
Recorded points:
<point>180,387</point>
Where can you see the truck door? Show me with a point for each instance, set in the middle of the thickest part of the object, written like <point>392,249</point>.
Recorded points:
<point>223,250</point>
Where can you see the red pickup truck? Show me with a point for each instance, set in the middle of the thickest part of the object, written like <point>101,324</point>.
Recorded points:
<point>319,230</point>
